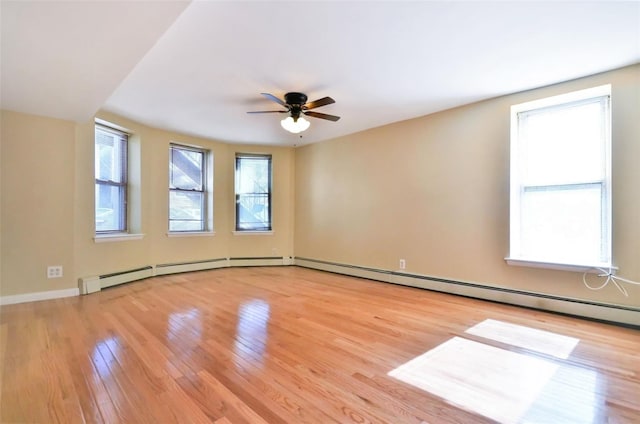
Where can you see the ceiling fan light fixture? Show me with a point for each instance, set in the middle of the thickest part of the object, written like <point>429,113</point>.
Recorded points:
<point>295,126</point>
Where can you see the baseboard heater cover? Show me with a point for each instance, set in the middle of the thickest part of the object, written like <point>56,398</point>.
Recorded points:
<point>93,284</point>
<point>601,311</point>
<point>174,268</point>
<point>260,261</point>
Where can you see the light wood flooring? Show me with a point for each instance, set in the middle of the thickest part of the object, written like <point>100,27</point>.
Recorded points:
<point>292,345</point>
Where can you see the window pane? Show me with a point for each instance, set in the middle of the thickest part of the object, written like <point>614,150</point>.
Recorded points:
<point>186,211</point>
<point>186,169</point>
<point>253,193</point>
<point>560,179</point>
<point>109,213</point>
<point>253,212</point>
<point>563,145</point>
<point>185,226</point>
<point>253,175</point>
<point>110,157</point>
<point>563,225</point>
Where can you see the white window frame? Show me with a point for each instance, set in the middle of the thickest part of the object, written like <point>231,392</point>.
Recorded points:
<point>518,187</point>
<point>123,184</point>
<point>206,227</point>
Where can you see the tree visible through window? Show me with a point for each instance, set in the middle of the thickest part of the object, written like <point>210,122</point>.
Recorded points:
<point>560,179</point>
<point>253,192</point>
<point>110,180</point>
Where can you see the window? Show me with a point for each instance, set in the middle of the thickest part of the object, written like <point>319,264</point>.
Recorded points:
<point>560,179</point>
<point>111,179</point>
<point>253,192</point>
<point>187,189</point>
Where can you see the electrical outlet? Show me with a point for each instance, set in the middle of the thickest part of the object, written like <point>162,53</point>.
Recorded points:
<point>403,264</point>
<point>54,271</point>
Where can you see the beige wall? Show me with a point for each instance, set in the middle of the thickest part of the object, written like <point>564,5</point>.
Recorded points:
<point>432,190</point>
<point>37,211</point>
<point>48,202</point>
<point>435,191</point>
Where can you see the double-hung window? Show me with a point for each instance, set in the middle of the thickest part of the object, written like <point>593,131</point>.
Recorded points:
<point>561,180</point>
<point>253,192</point>
<point>110,180</point>
<point>187,189</point>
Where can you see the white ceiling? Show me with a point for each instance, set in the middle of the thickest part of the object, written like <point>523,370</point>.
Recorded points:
<point>198,67</point>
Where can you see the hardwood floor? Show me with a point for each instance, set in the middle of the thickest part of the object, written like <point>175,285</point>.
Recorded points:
<point>292,345</point>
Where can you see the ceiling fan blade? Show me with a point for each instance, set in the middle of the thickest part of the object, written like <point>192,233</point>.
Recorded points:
<point>317,103</point>
<point>322,116</point>
<point>269,111</point>
<point>274,99</point>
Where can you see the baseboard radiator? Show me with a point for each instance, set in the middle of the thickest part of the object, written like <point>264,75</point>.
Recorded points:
<point>601,311</point>
<point>174,268</point>
<point>96,283</point>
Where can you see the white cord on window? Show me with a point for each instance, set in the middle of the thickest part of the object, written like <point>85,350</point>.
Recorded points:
<point>611,278</point>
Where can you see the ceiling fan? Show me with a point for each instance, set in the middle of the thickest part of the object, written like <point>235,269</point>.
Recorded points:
<point>296,105</point>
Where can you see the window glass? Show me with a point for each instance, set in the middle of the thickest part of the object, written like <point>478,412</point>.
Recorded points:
<point>560,179</point>
<point>110,180</point>
<point>253,192</point>
<point>187,191</point>
<point>563,144</point>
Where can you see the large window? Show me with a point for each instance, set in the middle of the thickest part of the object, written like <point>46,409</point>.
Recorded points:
<point>187,189</point>
<point>111,180</point>
<point>253,192</point>
<point>560,179</point>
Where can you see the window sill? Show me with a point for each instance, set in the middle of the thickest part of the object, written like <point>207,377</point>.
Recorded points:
<point>595,268</point>
<point>105,238</point>
<point>191,234</point>
<point>253,233</point>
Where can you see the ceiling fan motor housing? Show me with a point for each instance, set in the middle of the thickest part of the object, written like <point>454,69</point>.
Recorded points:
<point>295,101</point>
<point>294,98</point>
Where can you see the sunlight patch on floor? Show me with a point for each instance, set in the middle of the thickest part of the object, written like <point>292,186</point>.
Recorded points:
<point>487,380</point>
<point>525,337</point>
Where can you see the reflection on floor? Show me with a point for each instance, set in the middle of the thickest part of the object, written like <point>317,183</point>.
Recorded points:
<point>528,338</point>
<point>508,386</point>
<point>252,331</point>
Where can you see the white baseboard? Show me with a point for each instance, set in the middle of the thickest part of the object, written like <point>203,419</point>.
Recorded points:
<point>37,296</point>
<point>601,311</point>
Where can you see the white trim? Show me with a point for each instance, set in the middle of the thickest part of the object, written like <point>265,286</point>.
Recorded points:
<point>593,269</point>
<point>113,126</point>
<point>587,93</point>
<point>578,307</point>
<point>180,144</point>
<point>37,296</point>
<point>191,233</point>
<point>103,238</point>
<point>253,233</point>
